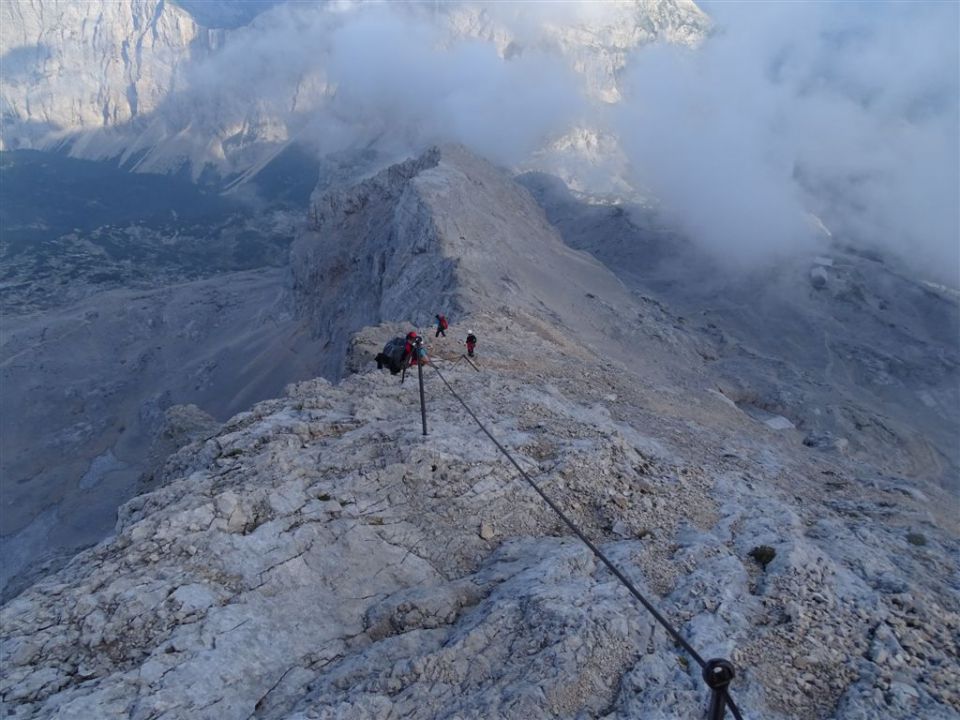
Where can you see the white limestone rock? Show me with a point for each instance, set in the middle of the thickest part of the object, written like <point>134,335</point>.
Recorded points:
<point>76,66</point>
<point>326,560</point>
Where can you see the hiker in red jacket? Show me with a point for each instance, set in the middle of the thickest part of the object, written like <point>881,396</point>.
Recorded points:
<point>471,343</point>
<point>441,325</point>
<point>410,349</point>
<point>414,353</point>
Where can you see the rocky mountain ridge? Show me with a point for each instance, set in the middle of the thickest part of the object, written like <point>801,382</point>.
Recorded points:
<point>445,232</point>
<point>317,556</point>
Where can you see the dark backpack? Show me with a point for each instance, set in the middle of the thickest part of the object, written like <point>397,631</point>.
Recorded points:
<point>392,354</point>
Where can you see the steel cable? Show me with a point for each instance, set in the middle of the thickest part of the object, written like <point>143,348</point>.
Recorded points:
<point>678,638</point>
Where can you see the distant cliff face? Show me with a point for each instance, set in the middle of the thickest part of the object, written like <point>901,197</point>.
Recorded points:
<point>368,256</point>
<point>595,40</point>
<point>74,66</point>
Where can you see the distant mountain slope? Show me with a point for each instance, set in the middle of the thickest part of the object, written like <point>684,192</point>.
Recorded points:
<point>850,346</point>
<point>86,388</point>
<point>72,228</point>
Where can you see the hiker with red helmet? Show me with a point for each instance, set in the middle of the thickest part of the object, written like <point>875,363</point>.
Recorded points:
<point>414,353</point>
<point>410,349</point>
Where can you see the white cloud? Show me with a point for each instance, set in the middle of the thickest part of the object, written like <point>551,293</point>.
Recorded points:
<point>847,110</point>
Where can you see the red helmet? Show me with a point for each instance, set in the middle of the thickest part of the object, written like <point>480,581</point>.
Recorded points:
<point>411,335</point>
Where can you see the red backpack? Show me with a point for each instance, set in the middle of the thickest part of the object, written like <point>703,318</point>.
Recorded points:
<point>443,322</point>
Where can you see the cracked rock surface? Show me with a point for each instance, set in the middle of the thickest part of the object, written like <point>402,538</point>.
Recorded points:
<point>320,558</point>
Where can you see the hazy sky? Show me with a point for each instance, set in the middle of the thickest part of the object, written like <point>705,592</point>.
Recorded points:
<point>847,110</point>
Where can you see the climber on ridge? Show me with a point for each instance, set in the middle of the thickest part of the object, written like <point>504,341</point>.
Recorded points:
<point>414,350</point>
<point>400,353</point>
<point>442,325</point>
<point>471,343</point>
<point>414,353</point>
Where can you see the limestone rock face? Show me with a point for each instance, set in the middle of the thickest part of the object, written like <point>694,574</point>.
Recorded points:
<point>371,254</point>
<point>75,66</point>
<point>594,40</point>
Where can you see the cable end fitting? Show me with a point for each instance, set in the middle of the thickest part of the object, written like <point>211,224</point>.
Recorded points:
<point>718,673</point>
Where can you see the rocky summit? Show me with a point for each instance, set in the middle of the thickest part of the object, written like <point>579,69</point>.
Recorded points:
<point>318,556</point>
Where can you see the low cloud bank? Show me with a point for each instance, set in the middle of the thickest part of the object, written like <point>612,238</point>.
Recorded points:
<point>387,74</point>
<point>394,74</point>
<point>845,111</point>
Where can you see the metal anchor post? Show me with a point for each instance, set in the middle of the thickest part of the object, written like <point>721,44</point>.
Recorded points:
<point>718,673</point>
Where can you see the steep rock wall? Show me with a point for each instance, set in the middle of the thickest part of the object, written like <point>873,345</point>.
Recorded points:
<point>371,254</point>
<point>81,65</point>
